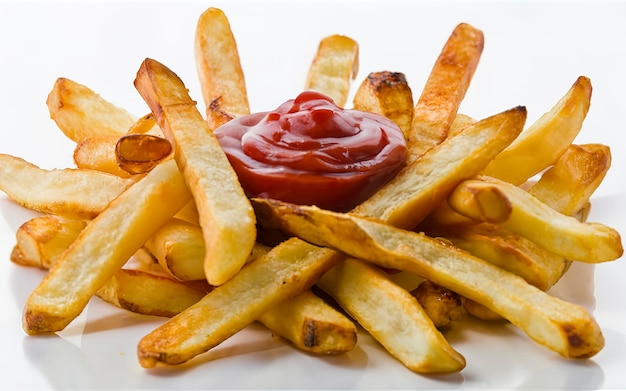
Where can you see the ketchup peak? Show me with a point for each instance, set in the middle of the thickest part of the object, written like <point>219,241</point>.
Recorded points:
<point>309,151</point>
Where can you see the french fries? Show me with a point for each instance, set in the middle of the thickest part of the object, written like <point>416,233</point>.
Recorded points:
<point>140,153</point>
<point>226,217</point>
<point>335,65</point>
<point>563,327</point>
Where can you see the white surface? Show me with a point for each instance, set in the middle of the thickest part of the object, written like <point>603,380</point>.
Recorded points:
<point>534,51</point>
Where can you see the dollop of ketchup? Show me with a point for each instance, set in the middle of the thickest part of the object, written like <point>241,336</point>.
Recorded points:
<point>310,151</point>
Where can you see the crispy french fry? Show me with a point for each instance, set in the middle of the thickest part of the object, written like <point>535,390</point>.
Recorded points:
<point>445,88</point>
<point>568,185</point>
<point>69,192</point>
<point>103,247</point>
<point>140,153</point>
<point>226,217</point>
<point>98,153</point>
<point>440,304</point>
<point>311,325</point>
<point>535,220</point>
<point>388,94</point>
<point>285,271</point>
<point>219,68</point>
<point>422,185</point>
<point>364,293</point>
<point>544,141</point>
<point>563,327</point>
<point>334,66</point>
<point>68,104</point>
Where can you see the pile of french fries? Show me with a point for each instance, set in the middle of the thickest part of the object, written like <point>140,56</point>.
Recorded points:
<point>485,217</point>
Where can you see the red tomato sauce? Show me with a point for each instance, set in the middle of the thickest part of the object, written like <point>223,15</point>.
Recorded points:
<point>309,151</point>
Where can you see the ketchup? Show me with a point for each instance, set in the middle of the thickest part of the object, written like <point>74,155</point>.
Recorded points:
<point>310,151</point>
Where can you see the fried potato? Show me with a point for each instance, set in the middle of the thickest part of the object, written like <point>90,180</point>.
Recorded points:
<point>563,327</point>
<point>69,192</point>
<point>399,324</point>
<point>445,89</point>
<point>335,65</point>
<point>422,185</point>
<point>98,153</point>
<point>440,304</point>
<point>533,219</point>
<point>311,325</point>
<point>43,239</point>
<point>103,247</point>
<point>568,185</point>
<point>544,141</point>
<point>80,113</point>
<point>285,271</point>
<point>140,153</point>
<point>219,68</point>
<point>226,216</point>
<point>388,94</point>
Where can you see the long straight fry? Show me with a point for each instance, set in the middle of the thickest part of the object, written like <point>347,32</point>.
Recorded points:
<point>565,328</point>
<point>103,247</point>
<point>226,217</point>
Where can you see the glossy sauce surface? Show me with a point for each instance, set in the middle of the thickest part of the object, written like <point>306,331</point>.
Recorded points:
<point>311,152</point>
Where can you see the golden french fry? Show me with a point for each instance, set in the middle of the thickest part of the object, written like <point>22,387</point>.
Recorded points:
<point>103,247</point>
<point>226,217</point>
<point>422,185</point>
<point>311,325</point>
<point>70,192</point>
<point>563,327</point>
<point>219,68</point>
<point>400,324</point>
<point>69,101</point>
<point>445,88</point>
<point>440,304</point>
<point>535,220</point>
<point>544,141</point>
<point>388,94</point>
<point>568,185</point>
<point>285,271</point>
<point>98,153</point>
<point>334,66</point>
<point>145,125</point>
<point>140,153</point>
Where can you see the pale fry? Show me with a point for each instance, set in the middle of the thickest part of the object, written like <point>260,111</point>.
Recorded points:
<point>399,324</point>
<point>219,68</point>
<point>311,325</point>
<point>565,328</point>
<point>388,94</point>
<point>103,247</point>
<point>68,104</point>
<point>423,184</point>
<point>335,65</point>
<point>70,192</point>
<point>445,89</point>
<point>226,216</point>
<point>544,141</point>
<point>535,220</point>
<point>285,271</point>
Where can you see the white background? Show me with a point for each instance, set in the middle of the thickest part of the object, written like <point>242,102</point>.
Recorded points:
<point>534,51</point>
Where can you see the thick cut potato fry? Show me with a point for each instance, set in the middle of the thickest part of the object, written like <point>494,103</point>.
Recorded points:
<point>219,68</point>
<point>400,325</point>
<point>422,185</point>
<point>98,153</point>
<point>140,153</point>
<point>388,94</point>
<point>285,271</point>
<point>440,304</point>
<point>546,140</point>
<point>149,294</point>
<point>334,66</point>
<point>563,327</point>
<point>445,89</point>
<point>535,220</point>
<point>103,247</point>
<point>70,192</point>
<point>226,217</point>
<point>311,325</point>
<point>80,113</point>
<point>568,185</point>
